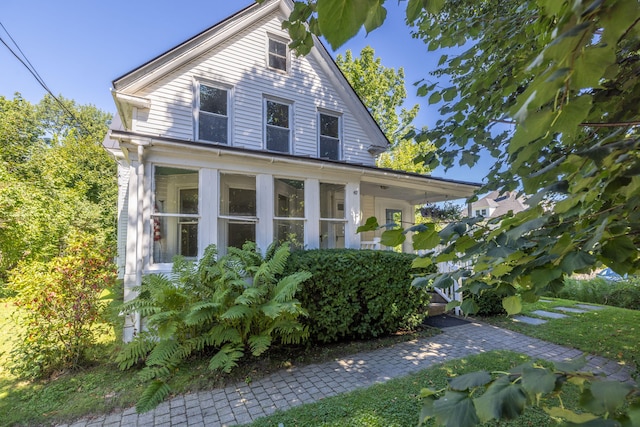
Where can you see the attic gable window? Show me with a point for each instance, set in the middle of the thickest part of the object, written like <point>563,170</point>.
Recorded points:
<point>277,126</point>
<point>329,137</point>
<point>277,55</point>
<point>213,114</point>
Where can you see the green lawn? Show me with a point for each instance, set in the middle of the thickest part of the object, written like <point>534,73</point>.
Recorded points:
<point>395,403</point>
<point>610,332</point>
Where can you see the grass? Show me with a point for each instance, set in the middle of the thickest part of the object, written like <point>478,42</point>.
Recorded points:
<point>102,388</point>
<point>611,332</point>
<point>396,402</point>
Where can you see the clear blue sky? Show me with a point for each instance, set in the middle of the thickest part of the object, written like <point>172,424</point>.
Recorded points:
<point>80,46</point>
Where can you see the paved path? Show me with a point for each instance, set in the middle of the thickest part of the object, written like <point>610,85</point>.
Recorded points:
<point>244,403</point>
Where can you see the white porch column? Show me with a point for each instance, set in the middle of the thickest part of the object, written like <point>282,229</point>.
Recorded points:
<point>354,215</point>
<point>264,211</point>
<point>312,213</point>
<point>209,195</point>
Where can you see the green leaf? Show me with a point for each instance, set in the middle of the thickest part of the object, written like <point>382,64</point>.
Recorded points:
<point>537,381</point>
<point>421,262</point>
<point>414,7</point>
<point>435,98</point>
<point>426,239</point>
<point>259,344</point>
<point>434,6</point>
<point>512,304</point>
<point>502,400</point>
<point>605,396</point>
<point>469,381</point>
<point>469,306</point>
<point>392,238</point>
<point>371,224</point>
<point>571,366</point>
<point>375,18</point>
<point>569,415</point>
<point>620,249</point>
<point>455,409</point>
<point>449,93</point>
<point>152,396</point>
<point>576,261</point>
<point>591,65</point>
<point>340,20</point>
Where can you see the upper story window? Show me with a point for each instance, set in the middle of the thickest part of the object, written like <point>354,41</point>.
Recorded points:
<point>329,137</point>
<point>277,126</point>
<point>213,114</point>
<point>277,55</point>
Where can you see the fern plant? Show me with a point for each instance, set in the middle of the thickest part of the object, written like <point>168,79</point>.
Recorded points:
<point>234,304</point>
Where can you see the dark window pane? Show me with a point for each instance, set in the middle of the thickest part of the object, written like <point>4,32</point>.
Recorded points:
<point>329,125</point>
<point>213,100</point>
<point>277,139</point>
<point>291,231</point>
<point>277,114</point>
<point>277,55</point>
<point>242,202</point>
<point>239,233</point>
<point>189,239</point>
<point>329,148</point>
<point>213,128</point>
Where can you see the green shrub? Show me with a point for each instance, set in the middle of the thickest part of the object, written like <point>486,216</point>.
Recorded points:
<point>230,305</point>
<point>623,294</point>
<point>59,305</point>
<point>489,303</point>
<point>355,294</point>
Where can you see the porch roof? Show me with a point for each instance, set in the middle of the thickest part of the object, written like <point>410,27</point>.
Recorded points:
<point>378,182</point>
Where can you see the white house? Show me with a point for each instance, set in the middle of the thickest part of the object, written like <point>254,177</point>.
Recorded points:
<point>230,137</point>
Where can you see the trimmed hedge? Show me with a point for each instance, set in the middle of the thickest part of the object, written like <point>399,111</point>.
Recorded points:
<point>358,294</point>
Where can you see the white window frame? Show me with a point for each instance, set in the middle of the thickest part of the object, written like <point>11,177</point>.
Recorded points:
<point>287,57</point>
<point>289,104</point>
<point>196,109</point>
<point>224,193</point>
<point>173,188</point>
<point>335,220</point>
<point>276,217</point>
<point>339,138</point>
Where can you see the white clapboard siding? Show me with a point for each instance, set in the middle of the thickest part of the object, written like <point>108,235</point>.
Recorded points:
<point>240,63</point>
<point>123,217</point>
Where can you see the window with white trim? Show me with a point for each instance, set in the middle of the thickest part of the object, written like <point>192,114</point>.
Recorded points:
<point>237,219</point>
<point>277,126</point>
<point>289,217</point>
<point>329,136</point>
<point>332,215</point>
<point>278,54</point>
<point>213,114</point>
<point>175,216</point>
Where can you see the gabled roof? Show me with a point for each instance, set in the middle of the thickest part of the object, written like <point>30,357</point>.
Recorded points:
<point>125,86</point>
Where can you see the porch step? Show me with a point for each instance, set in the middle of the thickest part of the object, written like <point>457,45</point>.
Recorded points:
<point>437,298</point>
<point>436,308</point>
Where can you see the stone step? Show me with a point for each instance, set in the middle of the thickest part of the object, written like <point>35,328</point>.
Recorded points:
<point>436,308</point>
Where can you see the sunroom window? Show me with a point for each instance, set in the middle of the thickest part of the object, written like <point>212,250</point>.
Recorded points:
<point>289,212</point>
<point>329,137</point>
<point>277,126</point>
<point>237,219</point>
<point>332,215</point>
<point>174,221</point>
<point>213,114</point>
<point>277,55</point>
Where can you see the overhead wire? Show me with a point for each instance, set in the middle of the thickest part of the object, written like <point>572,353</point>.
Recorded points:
<point>32,70</point>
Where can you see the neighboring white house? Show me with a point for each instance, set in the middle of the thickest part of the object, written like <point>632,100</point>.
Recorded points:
<point>496,204</point>
<point>231,137</point>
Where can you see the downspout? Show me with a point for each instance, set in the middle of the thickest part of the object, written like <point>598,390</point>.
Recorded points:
<point>139,228</point>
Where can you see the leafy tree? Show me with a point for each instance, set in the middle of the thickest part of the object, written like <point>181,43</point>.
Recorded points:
<point>383,92</point>
<point>56,178</point>
<point>562,75</point>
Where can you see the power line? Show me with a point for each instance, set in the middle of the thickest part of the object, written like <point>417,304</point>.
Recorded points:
<point>27,64</point>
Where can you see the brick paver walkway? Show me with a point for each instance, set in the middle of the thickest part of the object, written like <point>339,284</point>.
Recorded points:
<point>242,403</point>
